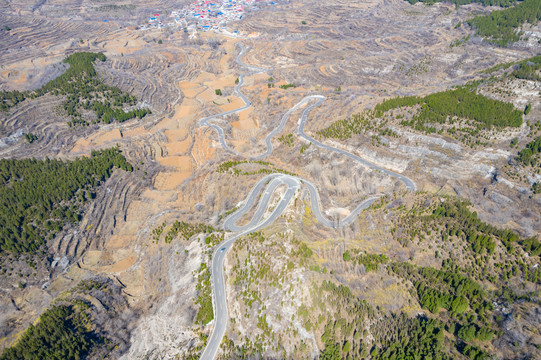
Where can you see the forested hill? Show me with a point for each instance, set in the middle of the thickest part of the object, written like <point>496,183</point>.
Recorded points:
<point>501,27</point>
<point>74,327</point>
<point>39,197</point>
<point>83,89</point>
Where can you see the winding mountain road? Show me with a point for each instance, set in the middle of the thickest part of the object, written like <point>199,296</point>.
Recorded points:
<point>267,187</point>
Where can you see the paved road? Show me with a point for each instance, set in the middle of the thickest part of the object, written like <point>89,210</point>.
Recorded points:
<point>262,194</point>
<point>247,104</point>
<point>410,184</point>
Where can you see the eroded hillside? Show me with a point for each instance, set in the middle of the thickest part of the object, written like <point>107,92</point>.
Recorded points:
<point>366,172</point>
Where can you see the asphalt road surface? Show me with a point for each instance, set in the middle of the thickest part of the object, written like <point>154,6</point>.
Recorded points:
<point>262,194</point>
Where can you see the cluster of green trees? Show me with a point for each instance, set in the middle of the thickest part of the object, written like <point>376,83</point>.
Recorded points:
<point>533,61</point>
<point>532,246</point>
<point>460,41</point>
<point>107,114</point>
<point>445,288</point>
<point>62,333</point>
<point>287,86</point>
<point>73,328</point>
<point>370,262</point>
<point>443,112</point>
<point>461,103</point>
<point>186,230</point>
<point>30,137</point>
<point>205,313</point>
<point>452,221</point>
<point>527,69</point>
<point>397,336</point>
<point>231,167</point>
<point>475,353</point>
<point>287,140</point>
<point>38,197</point>
<point>355,125</point>
<point>453,218</point>
<point>9,99</point>
<point>472,332</point>
<point>302,252</point>
<point>467,225</point>
<point>527,156</point>
<point>478,232</point>
<point>462,297</point>
<point>82,89</point>
<point>501,27</point>
<point>228,165</point>
<point>157,232</point>
<point>342,333</point>
<point>409,338</point>
<point>340,291</point>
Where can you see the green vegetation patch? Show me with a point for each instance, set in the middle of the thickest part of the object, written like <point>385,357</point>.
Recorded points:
<point>82,89</point>
<point>528,69</point>
<point>501,27</point>
<point>205,313</point>
<point>287,86</point>
<point>61,333</point>
<point>38,197</point>
<point>395,336</point>
<point>450,218</point>
<point>462,103</point>
<point>181,229</point>
<point>287,140</point>
<point>401,337</point>
<point>186,230</point>
<point>73,328</point>
<point>529,156</point>
<point>232,167</point>
<point>459,113</point>
<point>530,66</point>
<point>469,305</point>
<point>30,137</point>
<point>444,288</point>
<point>460,42</point>
<point>370,262</point>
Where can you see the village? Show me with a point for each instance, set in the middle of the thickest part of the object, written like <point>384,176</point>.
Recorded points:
<point>204,16</point>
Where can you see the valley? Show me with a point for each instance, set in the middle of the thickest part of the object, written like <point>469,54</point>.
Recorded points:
<point>332,180</point>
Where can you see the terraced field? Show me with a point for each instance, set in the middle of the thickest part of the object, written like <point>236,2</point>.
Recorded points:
<point>307,65</point>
